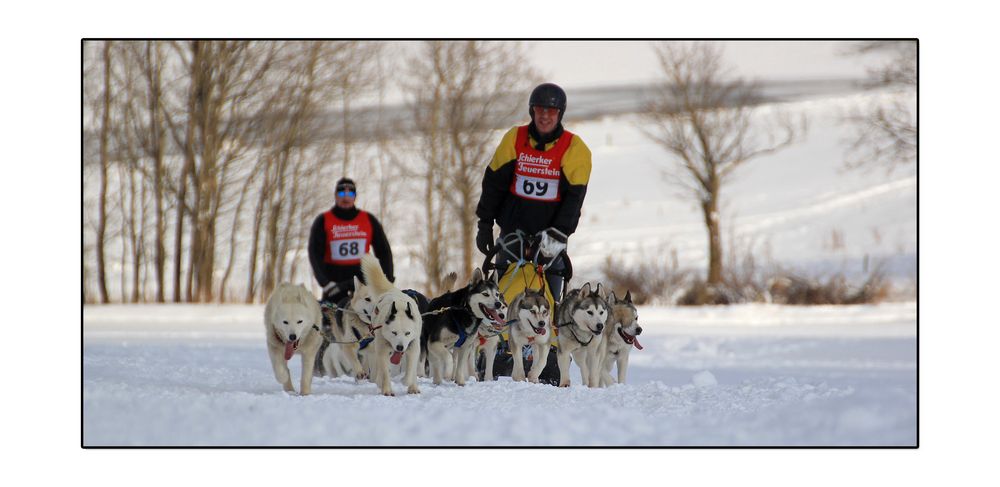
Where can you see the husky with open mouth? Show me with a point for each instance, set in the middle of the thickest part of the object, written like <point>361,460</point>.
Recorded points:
<point>580,320</point>
<point>396,324</point>
<point>454,328</point>
<point>292,318</point>
<point>531,317</point>
<point>487,341</point>
<point>621,333</point>
<point>348,331</point>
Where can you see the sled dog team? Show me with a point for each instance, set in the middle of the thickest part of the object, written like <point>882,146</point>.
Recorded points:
<point>380,331</point>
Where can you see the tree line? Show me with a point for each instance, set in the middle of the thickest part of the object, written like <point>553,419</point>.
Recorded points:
<point>207,160</point>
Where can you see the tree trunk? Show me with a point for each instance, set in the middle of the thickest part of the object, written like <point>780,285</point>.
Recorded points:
<point>710,210</point>
<point>156,129</point>
<point>102,286</point>
<point>258,220</point>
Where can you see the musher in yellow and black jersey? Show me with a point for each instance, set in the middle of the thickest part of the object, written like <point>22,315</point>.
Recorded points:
<point>537,180</point>
<point>339,238</point>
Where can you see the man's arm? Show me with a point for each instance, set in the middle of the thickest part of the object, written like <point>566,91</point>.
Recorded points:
<point>575,177</point>
<point>496,179</point>
<point>317,246</point>
<point>380,244</point>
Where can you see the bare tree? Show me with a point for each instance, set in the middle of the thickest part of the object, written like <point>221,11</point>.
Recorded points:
<point>104,162</point>
<point>461,92</point>
<point>148,58</point>
<point>708,121</point>
<point>217,131</point>
<point>227,135</point>
<point>885,132</point>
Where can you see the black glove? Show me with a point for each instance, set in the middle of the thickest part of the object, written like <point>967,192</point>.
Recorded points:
<point>484,239</point>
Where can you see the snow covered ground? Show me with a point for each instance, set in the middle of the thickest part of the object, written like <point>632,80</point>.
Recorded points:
<point>740,375</point>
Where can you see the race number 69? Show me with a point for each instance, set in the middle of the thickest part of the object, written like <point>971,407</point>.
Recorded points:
<point>531,188</point>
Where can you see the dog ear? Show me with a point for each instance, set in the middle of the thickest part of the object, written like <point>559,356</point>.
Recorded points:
<point>357,284</point>
<point>409,314</point>
<point>600,290</point>
<point>628,297</point>
<point>612,299</point>
<point>496,278</point>
<point>477,276</point>
<point>585,289</point>
<point>392,313</point>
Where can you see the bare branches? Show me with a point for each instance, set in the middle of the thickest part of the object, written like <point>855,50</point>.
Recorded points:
<point>459,94</point>
<point>710,123</point>
<point>885,131</point>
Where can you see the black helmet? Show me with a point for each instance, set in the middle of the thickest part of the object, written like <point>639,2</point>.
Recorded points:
<point>548,95</point>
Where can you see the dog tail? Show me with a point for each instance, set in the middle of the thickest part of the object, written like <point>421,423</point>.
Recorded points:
<point>449,281</point>
<point>374,276</point>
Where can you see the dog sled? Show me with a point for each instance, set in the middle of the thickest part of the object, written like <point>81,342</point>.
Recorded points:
<point>527,267</point>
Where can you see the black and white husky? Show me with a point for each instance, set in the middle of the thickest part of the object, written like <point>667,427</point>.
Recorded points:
<point>396,324</point>
<point>531,316</point>
<point>580,320</point>
<point>620,335</point>
<point>454,329</point>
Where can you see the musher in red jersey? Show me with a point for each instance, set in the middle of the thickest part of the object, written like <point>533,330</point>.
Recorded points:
<point>339,238</point>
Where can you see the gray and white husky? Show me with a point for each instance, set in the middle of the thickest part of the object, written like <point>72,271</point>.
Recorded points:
<point>620,335</point>
<point>349,325</point>
<point>487,341</point>
<point>580,320</point>
<point>532,316</point>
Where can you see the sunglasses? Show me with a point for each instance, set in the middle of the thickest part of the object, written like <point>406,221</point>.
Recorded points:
<point>341,194</point>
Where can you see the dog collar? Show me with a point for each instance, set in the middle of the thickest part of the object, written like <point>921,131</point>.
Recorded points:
<point>578,338</point>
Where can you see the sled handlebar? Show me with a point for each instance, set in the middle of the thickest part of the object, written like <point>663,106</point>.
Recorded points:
<point>566,273</point>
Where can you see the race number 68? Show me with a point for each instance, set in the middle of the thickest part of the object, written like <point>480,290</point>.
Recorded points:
<point>348,248</point>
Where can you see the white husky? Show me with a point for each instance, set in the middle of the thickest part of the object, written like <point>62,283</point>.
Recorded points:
<point>396,322</point>
<point>292,318</point>
<point>620,335</point>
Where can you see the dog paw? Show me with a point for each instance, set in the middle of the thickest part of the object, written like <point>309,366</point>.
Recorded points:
<point>533,380</point>
<point>413,390</point>
<point>389,394</point>
<point>564,385</point>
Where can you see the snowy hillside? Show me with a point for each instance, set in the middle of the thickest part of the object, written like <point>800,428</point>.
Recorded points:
<point>798,207</point>
<point>741,375</point>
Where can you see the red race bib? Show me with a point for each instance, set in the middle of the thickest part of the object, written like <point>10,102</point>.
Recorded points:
<point>346,240</point>
<point>536,173</point>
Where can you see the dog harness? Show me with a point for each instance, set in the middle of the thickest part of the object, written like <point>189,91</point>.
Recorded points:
<point>462,334</point>
<point>575,337</point>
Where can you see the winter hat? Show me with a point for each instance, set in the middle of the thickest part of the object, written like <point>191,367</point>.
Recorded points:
<point>347,184</point>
